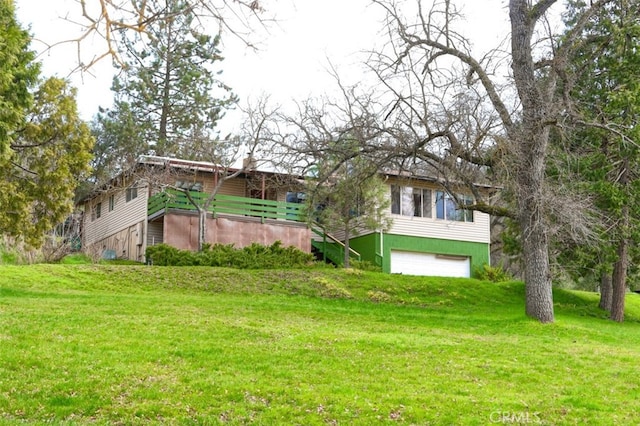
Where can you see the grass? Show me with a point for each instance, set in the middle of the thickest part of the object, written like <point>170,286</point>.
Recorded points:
<point>115,344</point>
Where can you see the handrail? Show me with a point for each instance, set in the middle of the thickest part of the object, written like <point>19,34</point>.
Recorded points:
<point>329,249</point>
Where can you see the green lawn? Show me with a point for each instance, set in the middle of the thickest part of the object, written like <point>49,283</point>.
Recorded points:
<point>134,345</point>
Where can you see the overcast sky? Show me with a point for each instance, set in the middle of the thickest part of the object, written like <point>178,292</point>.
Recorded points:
<point>294,56</point>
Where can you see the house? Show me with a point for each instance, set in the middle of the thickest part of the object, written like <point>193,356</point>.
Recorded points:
<point>429,235</point>
<point>149,205</point>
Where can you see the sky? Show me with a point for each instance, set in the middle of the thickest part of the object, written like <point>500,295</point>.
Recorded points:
<point>291,63</point>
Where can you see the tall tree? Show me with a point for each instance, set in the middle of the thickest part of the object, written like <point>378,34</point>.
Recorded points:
<point>18,75</point>
<point>439,59</point>
<point>104,19</point>
<point>119,142</point>
<point>49,157</point>
<point>603,81</point>
<point>44,146</point>
<point>170,86</point>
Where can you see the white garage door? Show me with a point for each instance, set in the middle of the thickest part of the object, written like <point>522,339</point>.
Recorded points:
<point>412,263</point>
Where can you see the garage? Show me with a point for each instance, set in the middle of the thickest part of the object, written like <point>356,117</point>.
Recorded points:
<point>413,263</point>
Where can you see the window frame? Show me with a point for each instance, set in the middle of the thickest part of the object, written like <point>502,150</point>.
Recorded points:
<point>131,193</point>
<point>448,209</point>
<point>403,201</point>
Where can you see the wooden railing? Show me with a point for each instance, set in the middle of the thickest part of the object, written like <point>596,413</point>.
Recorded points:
<point>227,204</point>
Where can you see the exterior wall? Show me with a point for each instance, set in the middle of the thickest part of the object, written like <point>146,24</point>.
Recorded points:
<point>378,251</point>
<point>121,230</point>
<point>125,244</point>
<point>155,232</point>
<point>235,187</point>
<point>181,231</point>
<point>477,231</point>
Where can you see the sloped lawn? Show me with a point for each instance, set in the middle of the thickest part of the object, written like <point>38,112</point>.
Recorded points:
<point>97,344</point>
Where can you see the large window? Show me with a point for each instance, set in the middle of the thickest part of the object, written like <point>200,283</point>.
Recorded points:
<point>409,201</point>
<point>418,202</point>
<point>447,209</point>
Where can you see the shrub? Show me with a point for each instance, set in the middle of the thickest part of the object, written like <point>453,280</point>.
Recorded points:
<point>254,256</point>
<point>379,296</point>
<point>494,274</point>
<point>365,265</point>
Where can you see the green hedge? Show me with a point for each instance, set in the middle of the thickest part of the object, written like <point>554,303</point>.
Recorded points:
<point>255,256</point>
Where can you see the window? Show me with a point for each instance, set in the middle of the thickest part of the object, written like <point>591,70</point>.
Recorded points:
<point>295,197</point>
<point>132,193</point>
<point>112,202</point>
<point>409,201</point>
<point>98,210</point>
<point>447,209</point>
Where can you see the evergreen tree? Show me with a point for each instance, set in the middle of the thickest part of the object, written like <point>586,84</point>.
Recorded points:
<point>48,157</point>
<point>44,146</point>
<point>169,89</point>
<point>18,75</point>
<point>606,88</point>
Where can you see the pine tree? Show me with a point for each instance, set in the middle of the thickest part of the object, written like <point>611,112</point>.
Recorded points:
<point>170,87</point>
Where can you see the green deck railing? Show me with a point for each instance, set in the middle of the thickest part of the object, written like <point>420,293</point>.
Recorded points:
<point>331,248</point>
<point>227,204</point>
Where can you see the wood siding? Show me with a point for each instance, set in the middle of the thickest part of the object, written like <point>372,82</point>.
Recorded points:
<point>113,223</point>
<point>477,231</point>
<point>155,232</point>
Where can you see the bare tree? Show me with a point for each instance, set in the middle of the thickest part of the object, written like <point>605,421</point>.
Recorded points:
<point>511,116</point>
<point>104,19</point>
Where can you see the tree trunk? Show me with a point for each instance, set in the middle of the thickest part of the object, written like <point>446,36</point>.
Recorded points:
<point>537,275</point>
<point>202,227</point>
<point>619,283</point>
<point>531,137</point>
<point>347,263</point>
<point>606,291</point>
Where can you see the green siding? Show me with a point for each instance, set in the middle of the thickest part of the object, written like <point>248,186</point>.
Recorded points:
<point>369,246</point>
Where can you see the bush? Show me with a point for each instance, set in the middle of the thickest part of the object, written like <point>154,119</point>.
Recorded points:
<point>254,256</point>
<point>365,265</point>
<point>494,274</point>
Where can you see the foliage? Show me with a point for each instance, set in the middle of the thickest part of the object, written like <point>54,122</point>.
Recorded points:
<point>87,344</point>
<point>76,259</point>
<point>348,195</point>
<point>254,256</point>
<point>168,96</point>
<point>119,141</point>
<point>18,75</point>
<point>48,157</point>
<point>365,265</point>
<point>496,274</point>
<point>601,156</point>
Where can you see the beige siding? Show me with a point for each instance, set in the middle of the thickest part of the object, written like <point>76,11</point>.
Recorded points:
<point>124,244</point>
<point>124,215</point>
<point>476,231</point>
<point>236,187</point>
<point>155,232</point>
